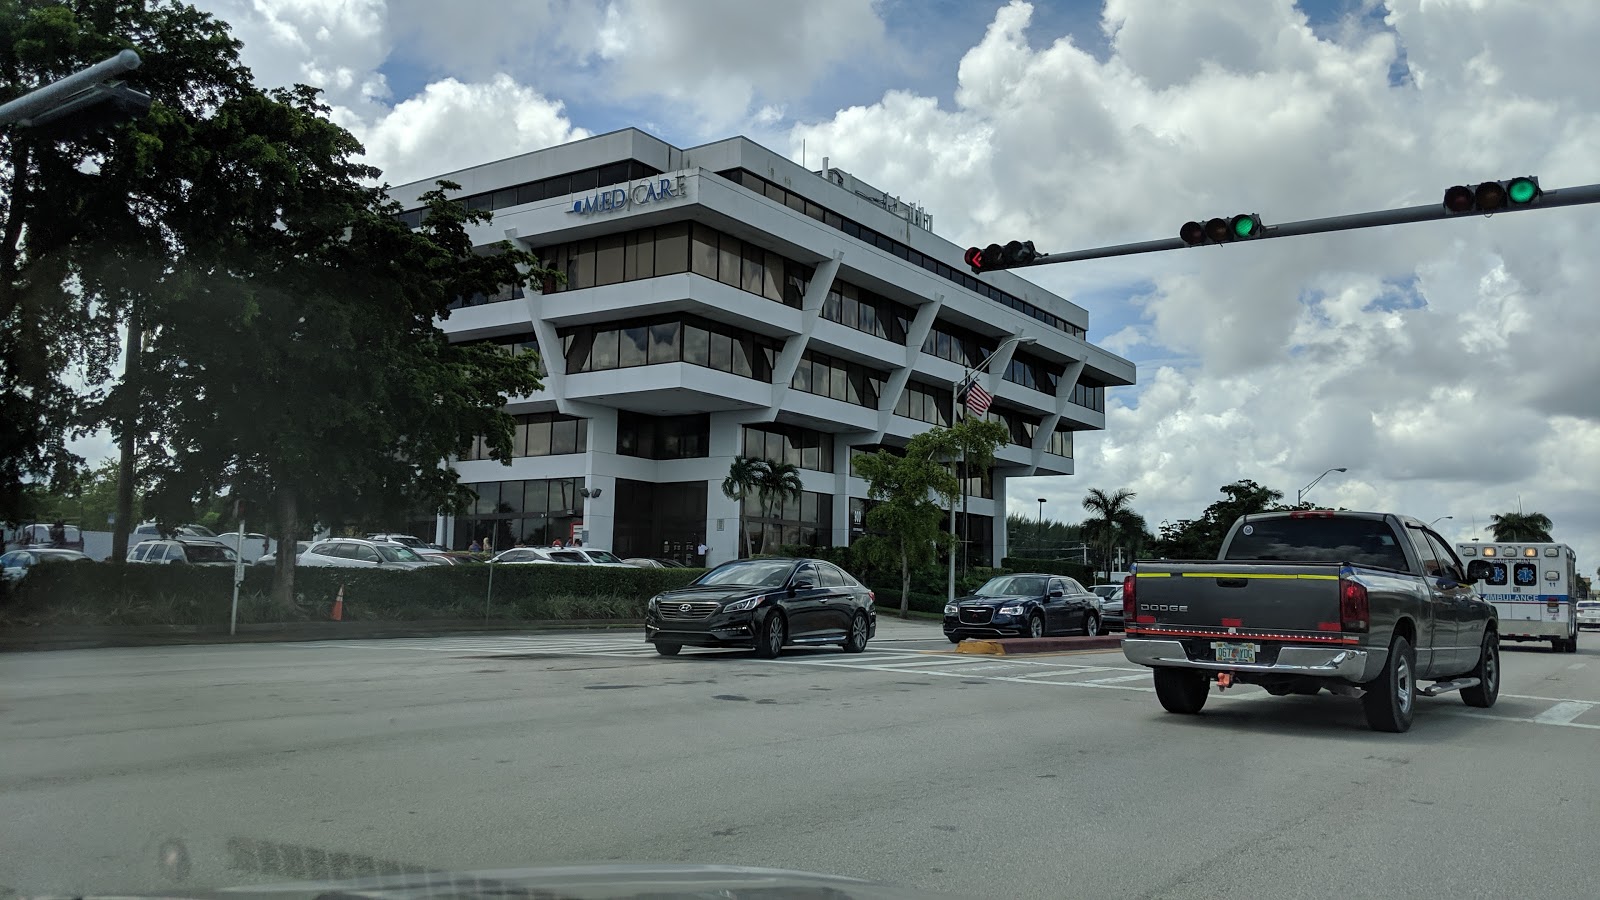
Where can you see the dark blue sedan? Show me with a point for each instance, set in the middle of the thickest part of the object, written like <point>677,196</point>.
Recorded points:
<point>1023,606</point>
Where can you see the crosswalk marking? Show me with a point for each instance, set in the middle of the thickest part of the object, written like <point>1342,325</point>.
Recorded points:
<point>1121,678</point>
<point>1563,712</point>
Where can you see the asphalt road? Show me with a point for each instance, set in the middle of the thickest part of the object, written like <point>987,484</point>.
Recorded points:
<point>1055,776</point>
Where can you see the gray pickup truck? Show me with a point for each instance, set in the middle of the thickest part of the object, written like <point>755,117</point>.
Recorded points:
<point>1363,604</point>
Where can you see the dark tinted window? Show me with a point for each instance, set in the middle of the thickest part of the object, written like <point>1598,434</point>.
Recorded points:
<point>1364,542</point>
<point>199,553</point>
<point>829,576</point>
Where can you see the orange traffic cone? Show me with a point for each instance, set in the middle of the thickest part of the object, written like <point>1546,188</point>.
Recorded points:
<point>338,606</point>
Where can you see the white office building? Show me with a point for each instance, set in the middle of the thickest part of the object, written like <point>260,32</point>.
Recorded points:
<point>723,300</point>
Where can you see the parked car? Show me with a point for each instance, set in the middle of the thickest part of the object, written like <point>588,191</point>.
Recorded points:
<point>1365,604</point>
<point>59,536</point>
<point>1105,591</point>
<point>355,553</point>
<point>182,551</point>
<point>430,553</point>
<point>648,563</point>
<point>598,557</point>
<point>1111,611</point>
<point>255,546</point>
<point>155,530</point>
<point>533,556</point>
<point>14,565</point>
<point>1023,605</point>
<point>764,604</point>
<point>271,559</point>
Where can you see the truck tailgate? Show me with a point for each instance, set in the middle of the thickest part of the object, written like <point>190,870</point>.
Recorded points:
<point>1255,598</point>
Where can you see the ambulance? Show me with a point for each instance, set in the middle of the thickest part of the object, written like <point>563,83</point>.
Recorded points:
<point>1531,585</point>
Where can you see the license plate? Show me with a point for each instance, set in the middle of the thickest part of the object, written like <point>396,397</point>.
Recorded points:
<point>1234,653</point>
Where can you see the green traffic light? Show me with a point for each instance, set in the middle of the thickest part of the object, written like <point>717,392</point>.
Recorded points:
<point>1522,190</point>
<point>1245,226</point>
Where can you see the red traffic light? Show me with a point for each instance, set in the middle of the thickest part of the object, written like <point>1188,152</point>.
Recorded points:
<point>1192,233</point>
<point>974,258</point>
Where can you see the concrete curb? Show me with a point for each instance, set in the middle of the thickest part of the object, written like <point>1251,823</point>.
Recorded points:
<point>1021,646</point>
<point>85,637</point>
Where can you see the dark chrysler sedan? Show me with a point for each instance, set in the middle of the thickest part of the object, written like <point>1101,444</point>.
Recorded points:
<point>764,604</point>
<point>1023,606</point>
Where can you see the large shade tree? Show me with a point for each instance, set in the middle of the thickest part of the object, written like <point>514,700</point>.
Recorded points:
<point>1520,526</point>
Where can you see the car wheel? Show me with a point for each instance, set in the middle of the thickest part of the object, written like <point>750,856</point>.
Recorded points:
<point>668,649</point>
<point>1181,691</point>
<point>1391,698</point>
<point>1036,625</point>
<point>857,641</point>
<point>954,638</point>
<point>1487,671</point>
<point>1091,626</point>
<point>773,633</point>
<point>1572,644</point>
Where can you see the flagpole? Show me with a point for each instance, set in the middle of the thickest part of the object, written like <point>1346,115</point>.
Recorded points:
<point>955,410</point>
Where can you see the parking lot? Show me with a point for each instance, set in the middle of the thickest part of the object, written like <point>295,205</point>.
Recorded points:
<point>1038,776</point>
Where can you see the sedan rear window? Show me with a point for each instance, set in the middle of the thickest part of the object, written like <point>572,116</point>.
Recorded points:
<point>1362,542</point>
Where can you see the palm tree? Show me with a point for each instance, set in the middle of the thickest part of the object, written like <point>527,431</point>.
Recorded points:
<point>777,482</point>
<point>1517,526</point>
<point>744,479</point>
<point>1111,513</point>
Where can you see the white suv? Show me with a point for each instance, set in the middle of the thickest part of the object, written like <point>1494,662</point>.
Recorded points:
<point>181,551</point>
<point>354,553</point>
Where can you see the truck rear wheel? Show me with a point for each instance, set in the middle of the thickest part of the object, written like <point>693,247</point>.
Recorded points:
<point>1487,690</point>
<point>1391,698</point>
<point>1572,643</point>
<point>1181,691</point>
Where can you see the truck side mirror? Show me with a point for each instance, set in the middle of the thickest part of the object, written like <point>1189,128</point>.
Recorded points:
<point>1477,571</point>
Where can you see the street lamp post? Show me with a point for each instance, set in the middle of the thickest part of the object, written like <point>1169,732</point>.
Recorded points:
<point>1041,526</point>
<point>1438,520</point>
<point>1300,495</point>
<point>966,376</point>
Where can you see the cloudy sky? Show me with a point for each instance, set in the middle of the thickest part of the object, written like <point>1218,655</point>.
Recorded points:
<point>1453,367</point>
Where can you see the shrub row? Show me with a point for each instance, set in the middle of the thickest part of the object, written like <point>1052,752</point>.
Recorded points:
<point>116,594</point>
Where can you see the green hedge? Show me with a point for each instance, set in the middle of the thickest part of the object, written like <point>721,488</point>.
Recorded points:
<point>1085,575</point>
<point>120,594</point>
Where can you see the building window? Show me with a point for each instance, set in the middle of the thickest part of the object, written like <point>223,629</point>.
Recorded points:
<point>800,447</point>
<point>1034,374</point>
<point>1089,394</point>
<point>675,249</point>
<point>539,434</point>
<point>514,346</point>
<point>804,521</point>
<point>1060,443</point>
<point>654,341</point>
<point>661,521</point>
<point>958,345</point>
<point>865,311</point>
<point>925,403</point>
<point>777,194</point>
<point>828,376</point>
<point>534,513</point>
<point>663,437</point>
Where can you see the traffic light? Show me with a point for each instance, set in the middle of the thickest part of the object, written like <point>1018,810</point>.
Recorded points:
<point>994,257</point>
<point>1492,196</point>
<point>93,110</point>
<point>1242,227</point>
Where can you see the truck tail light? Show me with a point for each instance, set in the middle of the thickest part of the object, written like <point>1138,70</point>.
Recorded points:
<point>1353,614</point>
<point>1130,602</point>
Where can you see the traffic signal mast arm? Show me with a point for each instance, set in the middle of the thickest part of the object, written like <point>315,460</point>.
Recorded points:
<point>1572,196</point>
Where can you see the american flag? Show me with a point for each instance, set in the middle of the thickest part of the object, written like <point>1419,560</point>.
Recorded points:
<point>978,399</point>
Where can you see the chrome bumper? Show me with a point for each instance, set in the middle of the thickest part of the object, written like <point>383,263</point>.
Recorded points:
<point>1326,662</point>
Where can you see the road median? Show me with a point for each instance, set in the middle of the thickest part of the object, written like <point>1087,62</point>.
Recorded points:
<point>1023,646</point>
<point>89,637</point>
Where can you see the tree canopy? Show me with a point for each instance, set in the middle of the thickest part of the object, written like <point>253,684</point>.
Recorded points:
<point>1519,526</point>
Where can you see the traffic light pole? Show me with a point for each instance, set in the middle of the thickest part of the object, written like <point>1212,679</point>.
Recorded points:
<point>1572,196</point>
<point>43,100</point>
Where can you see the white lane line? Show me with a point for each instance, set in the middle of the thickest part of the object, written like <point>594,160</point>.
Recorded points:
<point>1477,714</point>
<point>936,661</point>
<point>1577,665</point>
<point>1053,673</point>
<point>1551,699</point>
<point>1563,712</point>
<point>1120,678</point>
<point>946,673</point>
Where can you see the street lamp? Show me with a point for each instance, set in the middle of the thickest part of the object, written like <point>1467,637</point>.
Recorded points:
<point>966,376</point>
<point>1438,520</point>
<point>1041,526</point>
<point>1299,496</point>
